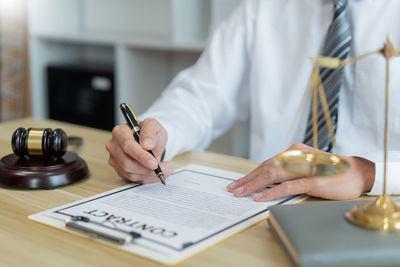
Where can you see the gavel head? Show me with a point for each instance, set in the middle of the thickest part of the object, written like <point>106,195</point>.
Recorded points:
<point>35,142</point>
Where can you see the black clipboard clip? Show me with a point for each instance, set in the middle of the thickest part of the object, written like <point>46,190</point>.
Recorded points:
<point>97,229</point>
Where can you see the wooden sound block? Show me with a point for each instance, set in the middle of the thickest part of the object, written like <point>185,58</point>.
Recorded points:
<point>36,173</point>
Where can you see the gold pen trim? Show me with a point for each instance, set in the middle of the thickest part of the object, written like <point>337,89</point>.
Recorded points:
<point>133,113</point>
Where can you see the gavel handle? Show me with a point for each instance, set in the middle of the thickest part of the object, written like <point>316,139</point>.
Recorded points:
<point>75,141</point>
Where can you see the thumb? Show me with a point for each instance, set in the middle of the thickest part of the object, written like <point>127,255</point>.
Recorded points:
<point>148,133</point>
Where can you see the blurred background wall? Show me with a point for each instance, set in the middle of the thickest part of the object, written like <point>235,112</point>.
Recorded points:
<point>77,60</point>
<point>14,86</point>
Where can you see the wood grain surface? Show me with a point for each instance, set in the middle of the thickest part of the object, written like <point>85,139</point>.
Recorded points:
<point>27,243</point>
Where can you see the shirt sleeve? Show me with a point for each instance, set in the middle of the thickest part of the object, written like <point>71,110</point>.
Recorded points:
<point>204,101</point>
<point>393,173</point>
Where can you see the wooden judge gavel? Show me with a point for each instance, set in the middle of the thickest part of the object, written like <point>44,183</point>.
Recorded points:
<point>36,142</point>
<point>41,160</point>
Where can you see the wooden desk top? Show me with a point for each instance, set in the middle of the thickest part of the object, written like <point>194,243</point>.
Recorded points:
<point>27,243</point>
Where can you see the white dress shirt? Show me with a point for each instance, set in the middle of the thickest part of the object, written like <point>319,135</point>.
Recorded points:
<point>256,67</point>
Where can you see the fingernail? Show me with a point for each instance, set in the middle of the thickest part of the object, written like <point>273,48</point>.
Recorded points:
<point>151,164</point>
<point>239,191</point>
<point>258,196</point>
<point>232,186</point>
<point>147,142</point>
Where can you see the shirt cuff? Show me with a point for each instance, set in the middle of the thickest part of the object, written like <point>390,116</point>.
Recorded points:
<point>392,175</point>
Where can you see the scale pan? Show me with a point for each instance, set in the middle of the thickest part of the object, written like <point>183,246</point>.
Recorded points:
<point>308,164</point>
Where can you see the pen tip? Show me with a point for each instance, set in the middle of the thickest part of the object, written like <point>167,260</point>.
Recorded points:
<point>162,179</point>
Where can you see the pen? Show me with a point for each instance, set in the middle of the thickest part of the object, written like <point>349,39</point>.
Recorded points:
<point>133,123</point>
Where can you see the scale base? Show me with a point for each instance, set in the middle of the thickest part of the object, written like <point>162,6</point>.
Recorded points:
<point>382,214</point>
<point>39,173</point>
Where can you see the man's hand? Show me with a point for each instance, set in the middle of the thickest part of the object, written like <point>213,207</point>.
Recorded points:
<point>358,179</point>
<point>130,159</point>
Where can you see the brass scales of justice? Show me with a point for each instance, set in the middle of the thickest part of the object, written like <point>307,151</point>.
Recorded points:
<point>381,214</point>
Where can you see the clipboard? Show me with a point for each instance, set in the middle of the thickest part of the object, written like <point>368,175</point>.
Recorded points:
<point>132,228</point>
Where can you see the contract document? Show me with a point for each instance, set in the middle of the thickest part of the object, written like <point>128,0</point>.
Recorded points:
<point>192,212</point>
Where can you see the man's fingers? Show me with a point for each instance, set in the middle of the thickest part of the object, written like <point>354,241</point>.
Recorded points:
<point>130,159</point>
<point>125,162</point>
<point>293,187</point>
<point>166,168</point>
<point>140,177</point>
<point>240,182</point>
<point>265,174</point>
<point>149,129</point>
<point>129,165</point>
<point>134,150</point>
<point>262,170</point>
<point>254,185</point>
<point>126,141</point>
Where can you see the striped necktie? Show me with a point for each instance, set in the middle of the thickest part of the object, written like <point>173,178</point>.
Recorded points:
<point>337,44</point>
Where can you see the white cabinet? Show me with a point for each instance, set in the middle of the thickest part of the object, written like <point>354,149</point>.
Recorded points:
<point>56,16</point>
<point>147,42</point>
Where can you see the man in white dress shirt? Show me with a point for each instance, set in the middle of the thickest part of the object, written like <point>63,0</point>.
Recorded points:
<point>256,67</point>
